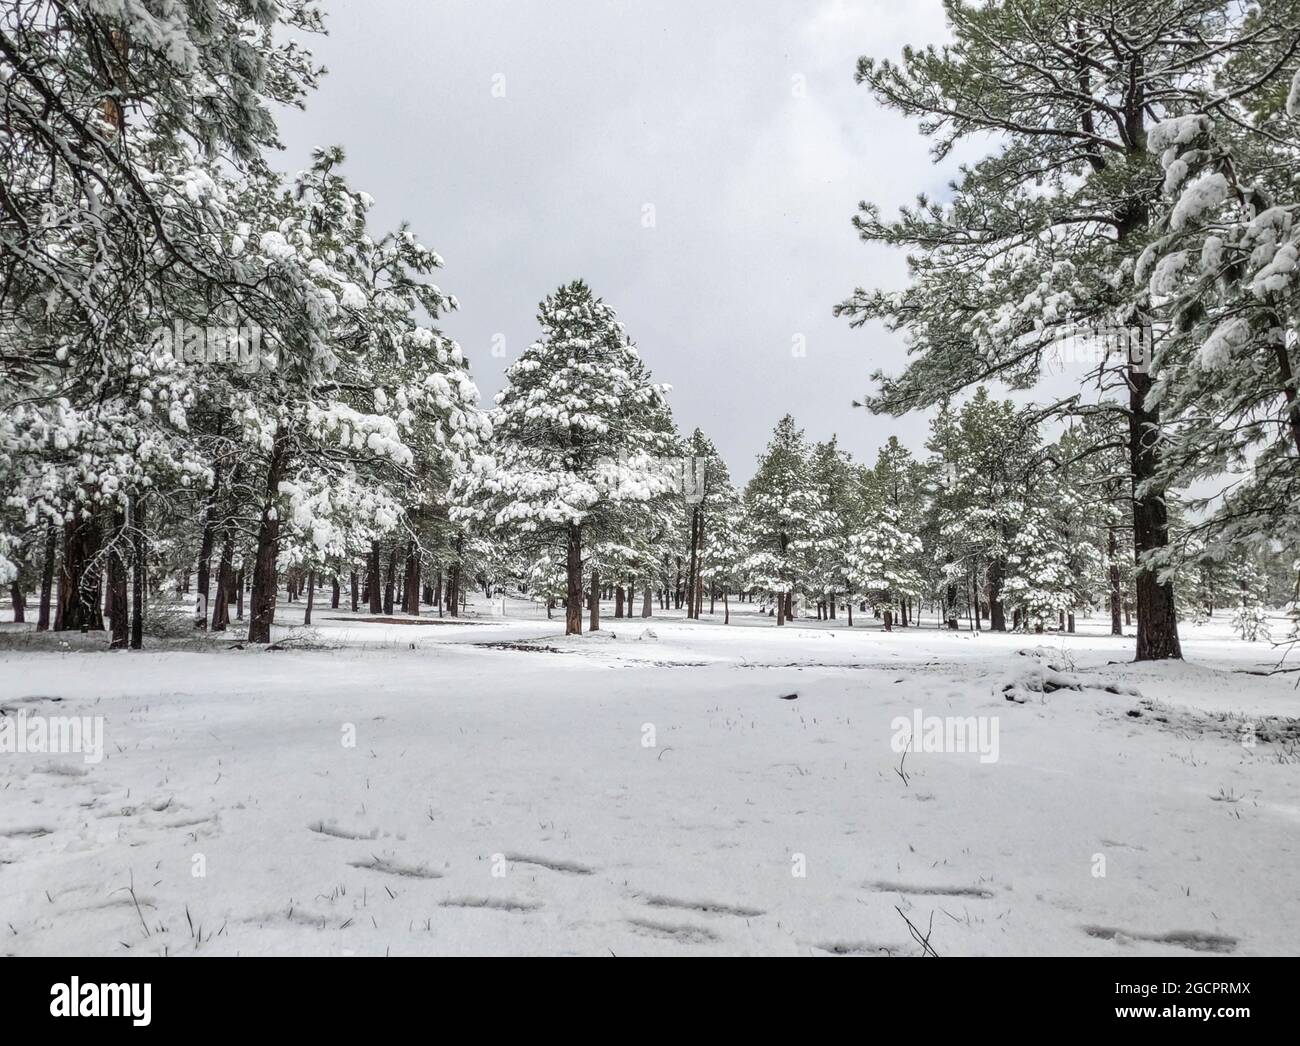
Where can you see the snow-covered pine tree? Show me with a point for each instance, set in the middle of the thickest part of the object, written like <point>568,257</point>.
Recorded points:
<point>1040,234</point>
<point>783,517</point>
<point>114,223</point>
<point>706,491</point>
<point>1224,277</point>
<point>839,487</point>
<point>882,560</point>
<point>579,438</point>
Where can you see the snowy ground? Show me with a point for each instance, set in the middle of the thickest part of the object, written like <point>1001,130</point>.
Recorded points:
<point>513,791</point>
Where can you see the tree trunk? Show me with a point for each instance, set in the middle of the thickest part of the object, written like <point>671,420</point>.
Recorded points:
<point>373,592</point>
<point>693,571</point>
<point>390,579</point>
<point>1116,595</point>
<point>618,601</point>
<point>1157,624</point>
<point>726,608</point>
<point>336,592</point>
<point>82,610</point>
<point>355,584</point>
<point>225,585</point>
<point>262,613</point>
<point>137,573</point>
<point>594,625</point>
<point>412,600</point>
<point>646,606</point>
<point>889,619</point>
<point>118,605</point>
<point>47,578</point>
<point>311,596</point>
<point>997,613</point>
<point>206,543</point>
<point>573,578</point>
<point>19,600</point>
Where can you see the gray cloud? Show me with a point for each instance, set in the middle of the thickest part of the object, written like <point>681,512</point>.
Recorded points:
<point>739,123</point>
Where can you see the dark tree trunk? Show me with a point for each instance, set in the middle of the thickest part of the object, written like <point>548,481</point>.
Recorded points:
<point>1116,594</point>
<point>47,578</point>
<point>225,584</point>
<point>311,597</point>
<point>19,601</point>
<point>573,579</point>
<point>692,573</point>
<point>80,585</point>
<point>373,592</point>
<point>997,613</point>
<point>889,619</point>
<point>618,601</point>
<point>412,599</point>
<point>647,608</point>
<point>119,617</point>
<point>262,612</point>
<point>206,543</point>
<point>1157,624</point>
<point>594,625</point>
<point>356,592</point>
<point>390,579</point>
<point>138,572</point>
<point>336,592</point>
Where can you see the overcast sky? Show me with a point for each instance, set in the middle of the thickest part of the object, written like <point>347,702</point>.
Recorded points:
<point>527,142</point>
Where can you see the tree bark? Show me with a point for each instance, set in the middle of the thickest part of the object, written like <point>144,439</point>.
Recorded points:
<point>573,578</point>
<point>206,544</point>
<point>47,578</point>
<point>225,584</point>
<point>1157,624</point>
<point>373,592</point>
<point>1116,595</point>
<point>692,572</point>
<point>138,571</point>
<point>311,596</point>
<point>119,616</point>
<point>390,579</point>
<point>997,613</point>
<point>594,625</point>
<point>81,582</point>
<point>647,608</point>
<point>262,612</point>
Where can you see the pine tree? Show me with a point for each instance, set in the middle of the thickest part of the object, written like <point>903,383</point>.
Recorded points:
<point>783,517</point>
<point>1037,241</point>
<point>579,434</point>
